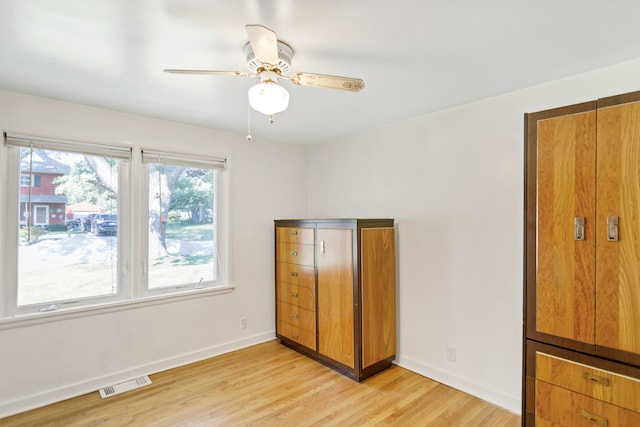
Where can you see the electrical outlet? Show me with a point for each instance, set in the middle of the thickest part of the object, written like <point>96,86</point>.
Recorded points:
<point>451,354</point>
<point>243,323</point>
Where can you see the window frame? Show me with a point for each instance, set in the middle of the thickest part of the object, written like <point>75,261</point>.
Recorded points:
<point>133,191</point>
<point>218,165</point>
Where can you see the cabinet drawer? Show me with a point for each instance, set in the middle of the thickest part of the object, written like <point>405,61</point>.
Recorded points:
<point>294,333</point>
<point>295,253</point>
<point>556,406</point>
<point>602,385</point>
<point>296,295</point>
<point>294,235</point>
<point>296,316</point>
<point>296,274</point>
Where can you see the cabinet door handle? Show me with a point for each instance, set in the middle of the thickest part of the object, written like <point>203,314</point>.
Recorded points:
<point>294,315</point>
<point>597,379</point>
<point>597,419</point>
<point>578,223</point>
<point>294,232</point>
<point>294,274</point>
<point>294,253</point>
<point>294,336</point>
<point>294,294</point>
<point>612,229</point>
<point>322,247</point>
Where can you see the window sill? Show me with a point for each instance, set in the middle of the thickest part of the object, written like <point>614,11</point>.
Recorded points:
<point>92,310</point>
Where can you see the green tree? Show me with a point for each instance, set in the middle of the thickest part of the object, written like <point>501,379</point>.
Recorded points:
<point>193,193</point>
<point>83,184</point>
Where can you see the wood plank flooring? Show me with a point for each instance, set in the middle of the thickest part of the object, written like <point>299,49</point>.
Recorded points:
<point>271,385</point>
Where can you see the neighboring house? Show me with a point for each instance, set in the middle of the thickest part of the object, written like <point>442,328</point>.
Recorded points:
<point>39,203</point>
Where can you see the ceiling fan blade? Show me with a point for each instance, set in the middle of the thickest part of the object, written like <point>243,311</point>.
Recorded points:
<point>264,44</point>
<point>209,72</point>
<point>326,81</point>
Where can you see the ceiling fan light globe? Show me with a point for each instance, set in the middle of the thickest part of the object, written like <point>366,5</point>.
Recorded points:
<point>268,98</point>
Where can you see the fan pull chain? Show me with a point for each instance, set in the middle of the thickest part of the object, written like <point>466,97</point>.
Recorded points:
<point>249,137</point>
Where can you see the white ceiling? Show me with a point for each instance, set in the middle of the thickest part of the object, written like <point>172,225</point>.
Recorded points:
<point>415,56</point>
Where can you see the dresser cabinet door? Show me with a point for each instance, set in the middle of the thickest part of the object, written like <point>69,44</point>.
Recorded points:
<point>618,245</point>
<point>335,295</point>
<point>378,272</point>
<point>565,305</point>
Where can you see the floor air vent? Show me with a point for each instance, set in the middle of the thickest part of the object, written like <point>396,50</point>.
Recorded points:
<point>112,390</point>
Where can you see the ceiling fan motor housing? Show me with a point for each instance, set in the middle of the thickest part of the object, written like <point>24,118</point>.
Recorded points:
<point>285,53</point>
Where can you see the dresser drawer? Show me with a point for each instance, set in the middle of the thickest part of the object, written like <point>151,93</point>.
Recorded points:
<point>294,235</point>
<point>296,316</point>
<point>296,274</point>
<point>556,406</point>
<point>296,295</point>
<point>296,334</point>
<point>603,385</point>
<point>295,253</point>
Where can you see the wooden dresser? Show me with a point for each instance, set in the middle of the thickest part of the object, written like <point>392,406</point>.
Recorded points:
<point>582,265</point>
<point>335,292</point>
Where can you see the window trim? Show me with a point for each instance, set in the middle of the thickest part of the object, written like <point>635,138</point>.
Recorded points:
<point>221,193</point>
<point>36,318</point>
<point>131,293</point>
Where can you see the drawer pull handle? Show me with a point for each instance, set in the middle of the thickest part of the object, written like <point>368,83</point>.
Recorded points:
<point>597,379</point>
<point>294,232</point>
<point>294,315</point>
<point>597,419</point>
<point>294,253</point>
<point>294,294</point>
<point>294,274</point>
<point>294,336</point>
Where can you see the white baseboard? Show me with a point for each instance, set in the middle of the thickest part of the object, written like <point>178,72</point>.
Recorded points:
<point>68,391</point>
<point>509,403</point>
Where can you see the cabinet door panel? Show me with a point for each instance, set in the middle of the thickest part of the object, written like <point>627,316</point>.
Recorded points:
<point>565,305</point>
<point>618,262</point>
<point>335,295</point>
<point>378,294</point>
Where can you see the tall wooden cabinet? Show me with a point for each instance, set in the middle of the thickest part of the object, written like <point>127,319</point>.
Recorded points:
<point>582,265</point>
<point>335,292</point>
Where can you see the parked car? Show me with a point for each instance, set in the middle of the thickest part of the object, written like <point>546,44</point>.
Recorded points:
<point>88,220</point>
<point>104,223</point>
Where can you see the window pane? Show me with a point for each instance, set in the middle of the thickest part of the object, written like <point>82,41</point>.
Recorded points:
<point>181,226</point>
<point>67,250</point>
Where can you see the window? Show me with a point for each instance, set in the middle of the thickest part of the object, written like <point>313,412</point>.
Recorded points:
<point>76,237</point>
<point>27,179</point>
<point>182,218</point>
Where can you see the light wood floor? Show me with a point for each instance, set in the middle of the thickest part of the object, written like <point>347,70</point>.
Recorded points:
<point>271,385</point>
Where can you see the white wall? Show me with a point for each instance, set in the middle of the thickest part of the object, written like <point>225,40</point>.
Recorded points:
<point>453,181</point>
<point>48,362</point>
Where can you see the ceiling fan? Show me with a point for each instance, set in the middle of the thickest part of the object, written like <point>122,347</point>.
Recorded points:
<point>270,59</point>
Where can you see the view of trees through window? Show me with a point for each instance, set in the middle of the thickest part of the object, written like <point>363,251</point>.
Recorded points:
<point>181,231</point>
<point>69,226</point>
